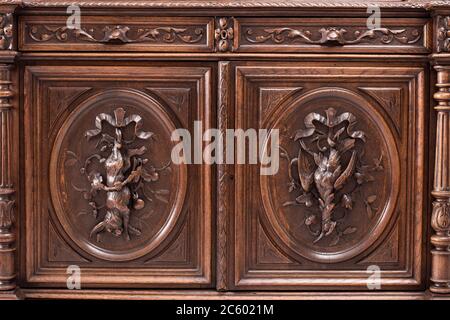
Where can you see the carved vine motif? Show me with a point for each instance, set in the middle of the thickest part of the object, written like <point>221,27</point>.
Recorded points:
<point>126,174</point>
<point>6,31</point>
<point>333,36</point>
<point>119,34</point>
<point>329,171</point>
<point>224,34</point>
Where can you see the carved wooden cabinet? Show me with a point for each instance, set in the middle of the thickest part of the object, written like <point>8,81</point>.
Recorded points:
<point>89,185</point>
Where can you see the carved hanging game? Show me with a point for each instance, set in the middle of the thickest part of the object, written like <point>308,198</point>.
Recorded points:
<point>117,205</point>
<point>120,171</point>
<point>341,199</point>
<point>329,171</point>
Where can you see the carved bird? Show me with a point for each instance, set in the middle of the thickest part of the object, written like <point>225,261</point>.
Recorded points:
<point>305,170</point>
<point>328,177</point>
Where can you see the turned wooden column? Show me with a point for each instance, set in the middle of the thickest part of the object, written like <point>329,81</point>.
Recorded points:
<point>440,219</point>
<point>7,234</point>
<point>7,191</point>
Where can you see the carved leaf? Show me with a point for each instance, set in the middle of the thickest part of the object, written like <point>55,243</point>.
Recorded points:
<point>335,240</point>
<point>369,211</point>
<point>71,162</point>
<point>371,199</point>
<point>349,230</point>
<point>347,201</point>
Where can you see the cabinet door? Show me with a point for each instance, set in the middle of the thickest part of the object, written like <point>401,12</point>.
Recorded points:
<point>101,191</point>
<point>347,205</point>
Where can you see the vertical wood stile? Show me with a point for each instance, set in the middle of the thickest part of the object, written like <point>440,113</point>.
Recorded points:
<point>7,234</point>
<point>223,179</point>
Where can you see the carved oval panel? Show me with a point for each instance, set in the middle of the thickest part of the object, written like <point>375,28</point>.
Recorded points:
<point>113,186</point>
<point>338,181</point>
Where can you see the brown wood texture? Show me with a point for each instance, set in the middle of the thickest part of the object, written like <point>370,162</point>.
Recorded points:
<point>377,215</point>
<point>86,177</point>
<point>163,34</point>
<point>171,221</point>
<point>332,34</point>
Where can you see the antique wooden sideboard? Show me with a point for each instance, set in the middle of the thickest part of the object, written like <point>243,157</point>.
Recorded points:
<point>92,205</point>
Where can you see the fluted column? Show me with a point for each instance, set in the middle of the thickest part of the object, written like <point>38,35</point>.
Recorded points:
<point>440,219</point>
<point>7,177</point>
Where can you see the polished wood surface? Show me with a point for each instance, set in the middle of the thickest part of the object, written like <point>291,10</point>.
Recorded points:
<point>85,172</point>
<point>278,238</point>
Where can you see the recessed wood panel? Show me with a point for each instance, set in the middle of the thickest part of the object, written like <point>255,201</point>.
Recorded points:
<point>349,195</point>
<point>332,35</point>
<point>113,33</point>
<point>103,192</point>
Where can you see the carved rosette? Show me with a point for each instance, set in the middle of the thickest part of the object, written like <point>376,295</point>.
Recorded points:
<point>440,219</point>
<point>224,34</point>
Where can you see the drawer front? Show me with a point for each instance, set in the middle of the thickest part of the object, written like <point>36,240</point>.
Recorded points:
<point>331,35</point>
<point>100,33</point>
<point>102,192</point>
<point>346,206</point>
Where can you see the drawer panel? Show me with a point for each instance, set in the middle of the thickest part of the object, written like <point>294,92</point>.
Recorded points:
<point>331,35</point>
<point>99,33</point>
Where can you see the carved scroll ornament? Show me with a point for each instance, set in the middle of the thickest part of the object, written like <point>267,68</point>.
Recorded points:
<point>126,173</point>
<point>329,172</point>
<point>333,36</point>
<point>118,34</point>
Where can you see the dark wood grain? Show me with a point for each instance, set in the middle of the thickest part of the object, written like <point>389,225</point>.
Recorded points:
<point>352,191</point>
<point>173,244</point>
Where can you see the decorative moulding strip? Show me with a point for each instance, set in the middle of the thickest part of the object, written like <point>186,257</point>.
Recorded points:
<point>233,4</point>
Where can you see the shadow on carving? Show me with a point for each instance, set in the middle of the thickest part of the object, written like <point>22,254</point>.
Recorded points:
<point>119,170</point>
<point>328,171</point>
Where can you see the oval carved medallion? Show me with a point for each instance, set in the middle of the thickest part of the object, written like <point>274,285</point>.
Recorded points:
<point>336,189</point>
<point>114,189</point>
